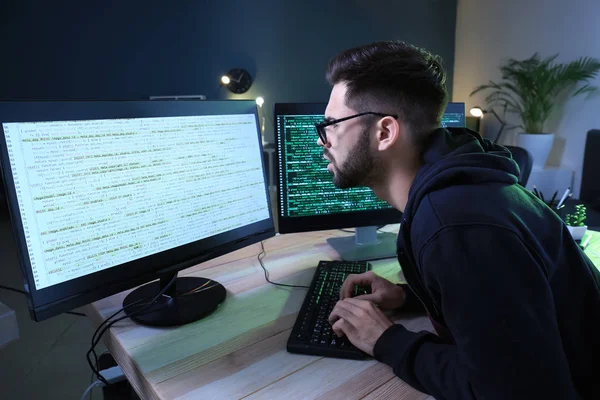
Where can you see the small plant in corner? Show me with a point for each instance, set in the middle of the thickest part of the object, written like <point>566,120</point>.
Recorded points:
<point>578,217</point>
<point>576,222</point>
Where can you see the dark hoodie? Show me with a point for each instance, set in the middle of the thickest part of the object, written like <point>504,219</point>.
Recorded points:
<point>513,299</point>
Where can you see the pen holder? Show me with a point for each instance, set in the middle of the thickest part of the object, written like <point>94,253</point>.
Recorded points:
<point>577,231</point>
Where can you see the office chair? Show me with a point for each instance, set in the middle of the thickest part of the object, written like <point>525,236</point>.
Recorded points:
<point>590,175</point>
<point>525,161</point>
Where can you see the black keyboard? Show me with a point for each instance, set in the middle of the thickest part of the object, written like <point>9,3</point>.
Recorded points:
<point>312,333</point>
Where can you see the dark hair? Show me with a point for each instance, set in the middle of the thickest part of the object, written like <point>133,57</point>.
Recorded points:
<point>393,77</point>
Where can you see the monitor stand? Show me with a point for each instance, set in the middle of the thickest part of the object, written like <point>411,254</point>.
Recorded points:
<point>366,244</point>
<point>177,306</point>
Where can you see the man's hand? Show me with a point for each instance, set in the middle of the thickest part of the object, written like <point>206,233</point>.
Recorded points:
<point>361,321</point>
<point>383,292</point>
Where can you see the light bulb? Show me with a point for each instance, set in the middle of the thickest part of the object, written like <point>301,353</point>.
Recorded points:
<point>225,79</point>
<point>260,101</point>
<point>476,112</point>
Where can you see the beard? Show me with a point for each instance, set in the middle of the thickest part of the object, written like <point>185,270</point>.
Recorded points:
<point>359,168</point>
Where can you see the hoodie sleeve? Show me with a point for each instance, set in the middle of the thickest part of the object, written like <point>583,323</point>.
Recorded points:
<point>498,305</point>
<point>412,303</point>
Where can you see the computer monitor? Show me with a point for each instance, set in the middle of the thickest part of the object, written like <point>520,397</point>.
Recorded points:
<point>108,195</point>
<point>454,116</point>
<point>307,198</point>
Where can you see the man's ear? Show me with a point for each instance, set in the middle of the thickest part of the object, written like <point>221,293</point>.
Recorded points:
<point>389,131</point>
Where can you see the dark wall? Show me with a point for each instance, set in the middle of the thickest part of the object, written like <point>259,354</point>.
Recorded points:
<point>134,49</point>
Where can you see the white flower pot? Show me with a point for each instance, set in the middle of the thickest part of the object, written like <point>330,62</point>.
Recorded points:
<point>538,144</point>
<point>577,231</point>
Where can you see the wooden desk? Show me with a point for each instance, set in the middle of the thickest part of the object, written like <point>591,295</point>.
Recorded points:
<point>593,246</point>
<point>240,350</point>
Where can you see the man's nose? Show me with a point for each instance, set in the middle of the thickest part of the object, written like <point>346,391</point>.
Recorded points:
<point>320,143</point>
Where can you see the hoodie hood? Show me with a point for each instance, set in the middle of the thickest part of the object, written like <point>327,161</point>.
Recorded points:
<point>459,156</point>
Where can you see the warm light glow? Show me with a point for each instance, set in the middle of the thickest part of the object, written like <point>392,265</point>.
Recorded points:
<point>225,79</point>
<point>476,112</point>
<point>260,101</point>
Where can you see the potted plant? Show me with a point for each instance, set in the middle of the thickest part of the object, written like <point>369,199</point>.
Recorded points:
<point>576,222</point>
<point>530,88</point>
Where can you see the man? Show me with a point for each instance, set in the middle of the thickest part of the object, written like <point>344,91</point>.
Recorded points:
<point>513,299</point>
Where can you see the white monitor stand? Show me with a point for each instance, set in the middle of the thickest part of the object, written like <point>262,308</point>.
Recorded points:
<point>366,244</point>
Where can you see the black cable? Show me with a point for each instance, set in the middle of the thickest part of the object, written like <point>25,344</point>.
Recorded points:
<point>13,289</point>
<point>25,293</point>
<point>96,340</point>
<point>76,313</point>
<point>144,307</point>
<point>263,253</point>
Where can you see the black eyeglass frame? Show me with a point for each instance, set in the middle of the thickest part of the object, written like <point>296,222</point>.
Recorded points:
<point>322,125</point>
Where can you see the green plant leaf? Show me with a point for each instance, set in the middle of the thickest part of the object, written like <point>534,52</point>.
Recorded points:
<point>531,86</point>
<point>585,89</point>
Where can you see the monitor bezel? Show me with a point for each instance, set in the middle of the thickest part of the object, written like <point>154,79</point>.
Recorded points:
<point>344,220</point>
<point>58,298</point>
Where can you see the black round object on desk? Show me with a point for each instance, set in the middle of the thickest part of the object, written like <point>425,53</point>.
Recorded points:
<point>176,306</point>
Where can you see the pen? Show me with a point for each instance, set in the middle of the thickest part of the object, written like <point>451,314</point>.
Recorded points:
<point>564,196</point>
<point>586,242</point>
<point>536,192</point>
<point>553,197</point>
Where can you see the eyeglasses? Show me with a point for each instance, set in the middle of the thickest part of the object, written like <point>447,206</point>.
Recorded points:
<point>322,125</point>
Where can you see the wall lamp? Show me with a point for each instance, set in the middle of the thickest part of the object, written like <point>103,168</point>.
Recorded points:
<point>478,112</point>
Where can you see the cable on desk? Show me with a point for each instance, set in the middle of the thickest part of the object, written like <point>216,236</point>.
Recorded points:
<point>200,288</point>
<point>96,340</point>
<point>145,306</point>
<point>260,256</point>
<point>25,293</point>
<point>100,330</point>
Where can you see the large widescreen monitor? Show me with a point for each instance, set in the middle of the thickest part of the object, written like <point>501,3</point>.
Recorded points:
<point>107,195</point>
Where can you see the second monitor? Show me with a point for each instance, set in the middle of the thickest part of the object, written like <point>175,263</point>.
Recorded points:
<point>307,198</point>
